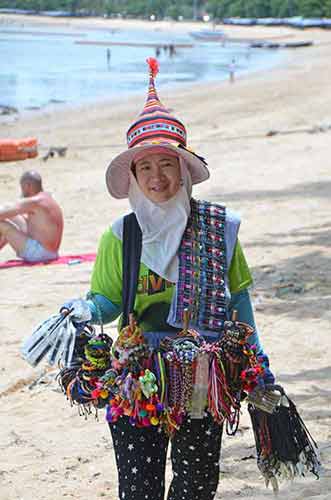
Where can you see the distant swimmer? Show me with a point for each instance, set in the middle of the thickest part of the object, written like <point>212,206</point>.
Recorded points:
<point>33,225</point>
<point>108,58</point>
<point>172,50</point>
<point>232,68</point>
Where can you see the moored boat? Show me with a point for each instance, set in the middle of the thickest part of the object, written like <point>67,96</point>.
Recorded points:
<point>208,35</point>
<point>18,149</point>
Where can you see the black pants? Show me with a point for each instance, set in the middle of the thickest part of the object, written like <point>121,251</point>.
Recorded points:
<point>141,460</point>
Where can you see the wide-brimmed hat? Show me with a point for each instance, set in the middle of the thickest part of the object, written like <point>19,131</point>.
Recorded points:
<point>154,127</point>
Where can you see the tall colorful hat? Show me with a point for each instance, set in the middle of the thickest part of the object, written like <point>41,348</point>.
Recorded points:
<point>155,127</point>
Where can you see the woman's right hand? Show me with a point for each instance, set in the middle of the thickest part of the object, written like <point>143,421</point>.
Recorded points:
<point>78,310</point>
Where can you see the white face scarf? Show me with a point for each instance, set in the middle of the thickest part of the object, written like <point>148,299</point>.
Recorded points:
<point>162,225</point>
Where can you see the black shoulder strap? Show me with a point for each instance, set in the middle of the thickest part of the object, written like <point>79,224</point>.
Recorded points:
<point>131,253</point>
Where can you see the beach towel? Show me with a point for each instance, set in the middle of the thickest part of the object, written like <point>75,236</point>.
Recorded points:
<point>64,259</point>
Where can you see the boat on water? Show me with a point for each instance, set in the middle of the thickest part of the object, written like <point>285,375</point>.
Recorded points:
<point>265,44</point>
<point>294,22</point>
<point>208,35</point>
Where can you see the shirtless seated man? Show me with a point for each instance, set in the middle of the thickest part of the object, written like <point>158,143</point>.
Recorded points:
<point>33,225</point>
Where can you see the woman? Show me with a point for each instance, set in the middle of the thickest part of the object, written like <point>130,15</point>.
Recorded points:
<point>190,257</point>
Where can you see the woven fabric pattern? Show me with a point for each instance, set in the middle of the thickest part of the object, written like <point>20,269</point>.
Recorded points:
<point>202,267</point>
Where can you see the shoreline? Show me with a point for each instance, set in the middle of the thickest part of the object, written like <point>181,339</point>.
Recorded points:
<point>101,102</point>
<point>102,24</point>
<point>259,65</point>
<point>280,186</point>
<point>213,82</point>
<point>233,32</point>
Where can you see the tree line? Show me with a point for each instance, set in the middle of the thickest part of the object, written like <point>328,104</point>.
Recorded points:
<point>187,9</point>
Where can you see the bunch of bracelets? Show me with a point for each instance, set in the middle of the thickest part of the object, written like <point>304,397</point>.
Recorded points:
<point>156,387</point>
<point>79,384</point>
<point>236,351</point>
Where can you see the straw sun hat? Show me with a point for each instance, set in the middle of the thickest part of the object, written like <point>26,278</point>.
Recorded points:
<point>154,127</point>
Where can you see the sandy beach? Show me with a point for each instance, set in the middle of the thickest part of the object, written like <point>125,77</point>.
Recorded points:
<point>280,184</point>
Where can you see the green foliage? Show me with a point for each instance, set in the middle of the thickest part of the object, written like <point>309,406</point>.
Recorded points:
<point>218,9</point>
<point>268,8</point>
<point>311,8</point>
<point>283,8</point>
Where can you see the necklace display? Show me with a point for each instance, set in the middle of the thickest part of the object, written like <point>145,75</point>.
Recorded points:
<point>184,376</point>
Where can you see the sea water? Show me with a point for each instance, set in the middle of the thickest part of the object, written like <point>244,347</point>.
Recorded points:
<point>40,66</point>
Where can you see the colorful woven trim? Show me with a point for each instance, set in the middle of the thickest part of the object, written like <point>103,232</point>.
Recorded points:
<point>154,127</point>
<point>202,267</point>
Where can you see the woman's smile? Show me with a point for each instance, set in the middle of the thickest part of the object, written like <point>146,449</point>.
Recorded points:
<point>158,176</point>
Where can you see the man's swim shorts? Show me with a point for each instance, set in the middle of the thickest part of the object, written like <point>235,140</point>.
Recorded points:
<point>35,252</point>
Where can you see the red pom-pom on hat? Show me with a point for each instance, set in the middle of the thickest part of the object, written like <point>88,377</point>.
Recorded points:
<point>153,65</point>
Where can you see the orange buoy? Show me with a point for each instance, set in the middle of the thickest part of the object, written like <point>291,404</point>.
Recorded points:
<point>18,149</point>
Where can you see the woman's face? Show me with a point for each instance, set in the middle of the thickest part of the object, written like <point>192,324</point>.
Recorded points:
<point>158,176</point>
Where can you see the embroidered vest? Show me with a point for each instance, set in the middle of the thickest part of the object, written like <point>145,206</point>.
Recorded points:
<point>202,268</point>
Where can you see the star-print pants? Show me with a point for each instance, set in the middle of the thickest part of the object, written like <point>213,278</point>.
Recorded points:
<point>141,460</point>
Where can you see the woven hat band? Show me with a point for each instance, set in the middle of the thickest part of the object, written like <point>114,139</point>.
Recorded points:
<point>156,128</point>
